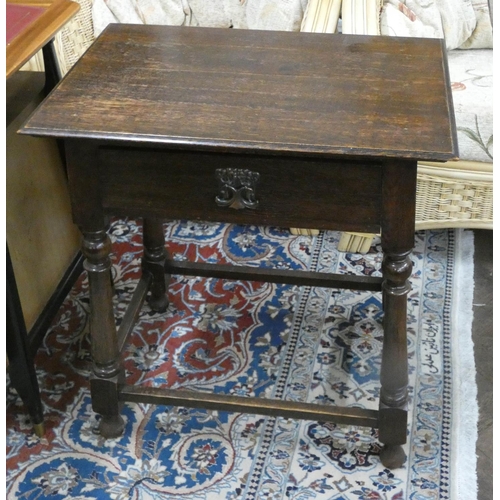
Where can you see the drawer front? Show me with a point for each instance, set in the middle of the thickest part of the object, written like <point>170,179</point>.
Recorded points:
<point>290,192</point>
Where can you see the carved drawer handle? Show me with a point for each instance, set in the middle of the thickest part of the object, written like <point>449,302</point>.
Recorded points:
<point>237,188</point>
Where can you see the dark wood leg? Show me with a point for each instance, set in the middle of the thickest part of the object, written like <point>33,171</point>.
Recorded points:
<point>398,234</point>
<point>108,371</point>
<point>394,372</point>
<point>153,262</point>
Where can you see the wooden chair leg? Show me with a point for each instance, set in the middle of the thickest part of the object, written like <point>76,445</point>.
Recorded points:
<point>349,242</point>
<point>355,242</point>
<point>304,232</point>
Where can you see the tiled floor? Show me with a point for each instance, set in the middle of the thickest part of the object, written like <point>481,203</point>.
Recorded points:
<point>482,335</point>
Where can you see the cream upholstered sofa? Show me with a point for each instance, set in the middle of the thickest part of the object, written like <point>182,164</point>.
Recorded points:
<point>453,194</point>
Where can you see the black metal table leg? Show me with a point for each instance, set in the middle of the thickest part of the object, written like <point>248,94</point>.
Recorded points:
<point>53,76</point>
<point>21,368</point>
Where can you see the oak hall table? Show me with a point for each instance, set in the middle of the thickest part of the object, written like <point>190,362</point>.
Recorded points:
<point>249,127</point>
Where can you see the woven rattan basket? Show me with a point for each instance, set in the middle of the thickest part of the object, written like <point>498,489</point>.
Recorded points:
<point>455,195</point>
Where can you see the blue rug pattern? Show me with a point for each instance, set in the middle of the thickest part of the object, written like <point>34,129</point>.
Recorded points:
<point>249,339</point>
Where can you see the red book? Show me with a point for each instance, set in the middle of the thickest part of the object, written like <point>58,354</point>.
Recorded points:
<point>19,17</point>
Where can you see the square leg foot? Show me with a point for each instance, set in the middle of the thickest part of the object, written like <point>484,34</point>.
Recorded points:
<point>392,456</point>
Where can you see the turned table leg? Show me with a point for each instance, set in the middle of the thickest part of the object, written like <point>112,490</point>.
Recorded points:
<point>394,372</point>
<point>153,262</point>
<point>108,372</point>
<point>398,237</point>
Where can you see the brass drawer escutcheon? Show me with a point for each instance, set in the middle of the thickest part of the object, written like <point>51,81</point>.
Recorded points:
<point>237,188</point>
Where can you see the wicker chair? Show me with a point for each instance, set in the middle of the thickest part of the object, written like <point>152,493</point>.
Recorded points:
<point>452,194</point>
<point>456,194</point>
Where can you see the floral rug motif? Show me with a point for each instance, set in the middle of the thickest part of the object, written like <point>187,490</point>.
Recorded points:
<point>248,339</point>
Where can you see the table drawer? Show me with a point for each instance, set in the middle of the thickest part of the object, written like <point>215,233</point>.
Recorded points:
<point>291,192</point>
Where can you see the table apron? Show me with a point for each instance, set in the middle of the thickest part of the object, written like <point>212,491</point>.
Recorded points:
<point>291,192</point>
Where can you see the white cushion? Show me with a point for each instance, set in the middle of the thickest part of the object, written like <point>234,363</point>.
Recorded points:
<point>471,75</point>
<point>453,20</point>
<point>282,15</point>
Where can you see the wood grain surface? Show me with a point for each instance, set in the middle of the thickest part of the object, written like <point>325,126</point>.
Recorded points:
<point>253,91</point>
<point>170,184</point>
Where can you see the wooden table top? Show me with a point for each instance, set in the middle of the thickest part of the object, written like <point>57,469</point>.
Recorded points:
<point>42,19</point>
<point>258,91</point>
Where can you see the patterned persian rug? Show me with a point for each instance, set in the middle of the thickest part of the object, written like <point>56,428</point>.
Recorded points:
<point>257,339</point>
